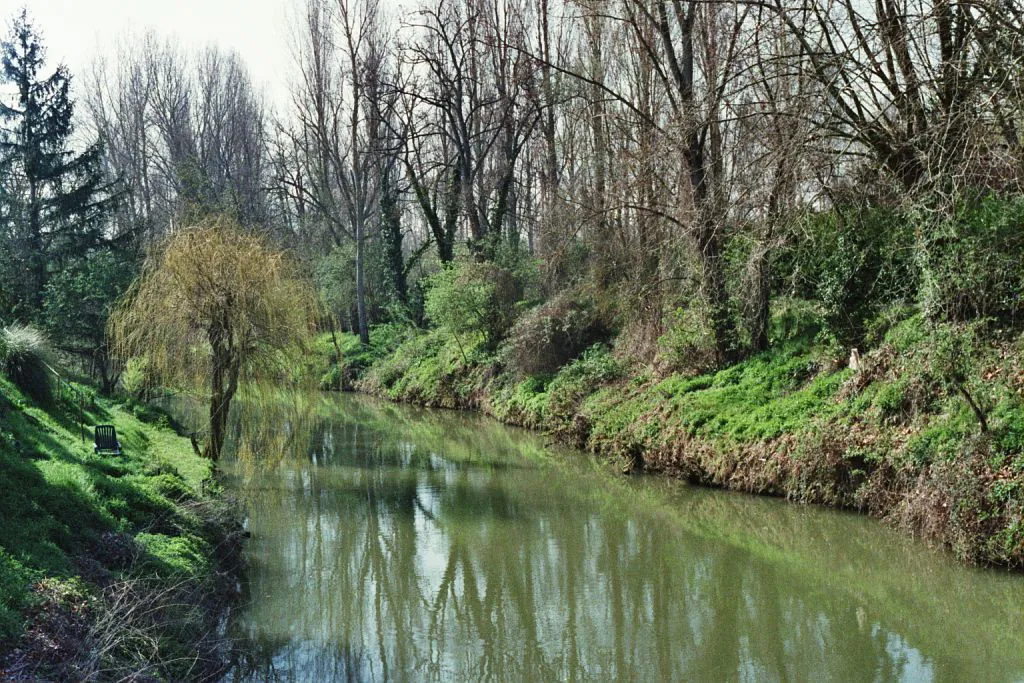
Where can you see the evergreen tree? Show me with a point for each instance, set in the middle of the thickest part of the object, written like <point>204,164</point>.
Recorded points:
<point>54,198</point>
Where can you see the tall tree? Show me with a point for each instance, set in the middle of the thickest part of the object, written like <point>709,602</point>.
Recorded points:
<point>55,199</point>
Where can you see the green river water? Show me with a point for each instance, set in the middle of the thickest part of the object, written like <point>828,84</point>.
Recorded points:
<point>394,544</point>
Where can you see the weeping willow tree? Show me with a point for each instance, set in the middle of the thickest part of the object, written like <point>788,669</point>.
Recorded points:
<point>213,309</point>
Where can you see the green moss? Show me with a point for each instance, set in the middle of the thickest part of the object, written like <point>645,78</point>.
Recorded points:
<point>176,556</point>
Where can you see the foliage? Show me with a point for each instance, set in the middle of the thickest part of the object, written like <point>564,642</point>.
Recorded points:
<point>79,298</point>
<point>792,319</point>
<point>77,303</point>
<point>134,379</point>
<point>689,343</point>
<point>25,358</point>
<point>474,301</point>
<point>213,277</point>
<point>336,281</point>
<point>213,308</point>
<point>337,359</point>
<point>854,261</point>
<point>938,360</point>
<point>595,368</point>
<point>971,261</point>
<point>547,337</point>
<point>55,197</point>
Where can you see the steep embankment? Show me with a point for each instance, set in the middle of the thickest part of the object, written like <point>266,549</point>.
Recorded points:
<point>898,438</point>
<point>110,566</point>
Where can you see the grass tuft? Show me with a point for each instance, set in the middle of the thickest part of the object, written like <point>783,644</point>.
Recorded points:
<point>25,357</point>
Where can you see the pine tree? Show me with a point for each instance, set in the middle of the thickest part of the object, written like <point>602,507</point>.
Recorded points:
<point>54,199</point>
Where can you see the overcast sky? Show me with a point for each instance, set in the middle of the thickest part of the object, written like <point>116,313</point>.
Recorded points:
<point>74,30</point>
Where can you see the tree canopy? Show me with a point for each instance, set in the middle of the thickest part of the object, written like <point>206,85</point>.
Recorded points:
<point>215,307</point>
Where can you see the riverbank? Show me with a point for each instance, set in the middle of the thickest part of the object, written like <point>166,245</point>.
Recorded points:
<point>111,567</point>
<point>927,434</point>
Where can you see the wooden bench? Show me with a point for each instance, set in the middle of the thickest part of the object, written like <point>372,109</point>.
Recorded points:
<point>106,440</point>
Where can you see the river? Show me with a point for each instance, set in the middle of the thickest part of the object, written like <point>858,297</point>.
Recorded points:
<point>396,544</point>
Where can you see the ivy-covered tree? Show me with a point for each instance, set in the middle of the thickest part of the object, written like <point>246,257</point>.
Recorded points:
<point>54,197</point>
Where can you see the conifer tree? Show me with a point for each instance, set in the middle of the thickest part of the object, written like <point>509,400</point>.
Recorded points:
<point>54,198</point>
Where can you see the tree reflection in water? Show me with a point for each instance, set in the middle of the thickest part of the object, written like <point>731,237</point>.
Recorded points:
<point>391,544</point>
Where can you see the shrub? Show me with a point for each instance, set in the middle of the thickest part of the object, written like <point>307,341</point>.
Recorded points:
<point>77,302</point>
<point>792,319</point>
<point>552,334</point>
<point>342,371</point>
<point>890,398</point>
<point>24,358</point>
<point>688,345</point>
<point>934,361</point>
<point>335,279</point>
<point>474,301</point>
<point>855,261</point>
<point>134,379</point>
<point>594,368</point>
<point>971,261</point>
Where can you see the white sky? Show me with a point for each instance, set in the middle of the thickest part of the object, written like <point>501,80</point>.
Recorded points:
<point>75,31</point>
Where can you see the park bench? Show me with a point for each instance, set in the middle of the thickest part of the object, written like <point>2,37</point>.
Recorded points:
<point>106,440</point>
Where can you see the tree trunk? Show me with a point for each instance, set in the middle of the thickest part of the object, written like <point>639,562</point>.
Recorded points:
<point>364,332</point>
<point>223,385</point>
<point>391,231</point>
<point>761,297</point>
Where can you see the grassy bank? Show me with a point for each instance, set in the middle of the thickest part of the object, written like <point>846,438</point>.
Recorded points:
<point>928,434</point>
<point>110,566</point>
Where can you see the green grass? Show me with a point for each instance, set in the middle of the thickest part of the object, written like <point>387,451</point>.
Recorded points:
<point>59,499</point>
<point>761,398</point>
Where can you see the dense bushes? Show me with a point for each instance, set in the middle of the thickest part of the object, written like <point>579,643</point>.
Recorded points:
<point>959,262</point>
<point>688,343</point>
<point>547,337</point>
<point>853,261</point>
<point>972,262</point>
<point>473,301</point>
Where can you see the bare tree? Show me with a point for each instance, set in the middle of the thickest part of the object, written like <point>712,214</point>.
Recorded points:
<point>185,136</point>
<point>915,84</point>
<point>479,88</point>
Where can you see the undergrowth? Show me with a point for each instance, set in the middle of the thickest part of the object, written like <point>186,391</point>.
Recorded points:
<point>927,433</point>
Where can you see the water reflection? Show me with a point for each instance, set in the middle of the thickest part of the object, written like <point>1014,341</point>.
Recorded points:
<point>403,545</point>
